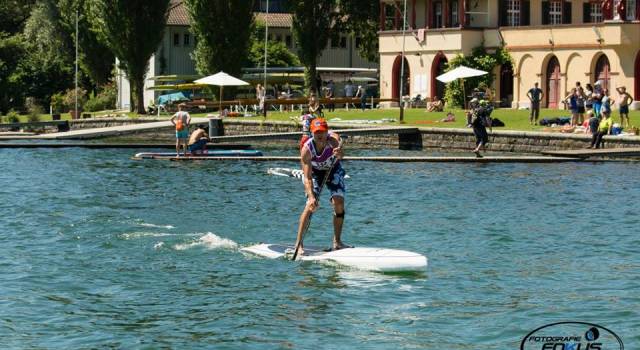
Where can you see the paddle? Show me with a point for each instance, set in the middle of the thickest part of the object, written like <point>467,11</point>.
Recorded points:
<point>306,227</point>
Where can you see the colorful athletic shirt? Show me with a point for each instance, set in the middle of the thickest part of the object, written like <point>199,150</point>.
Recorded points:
<point>324,160</point>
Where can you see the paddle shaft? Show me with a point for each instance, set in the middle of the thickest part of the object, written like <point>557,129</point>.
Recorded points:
<point>306,227</point>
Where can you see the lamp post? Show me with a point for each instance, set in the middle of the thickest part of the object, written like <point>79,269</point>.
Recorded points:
<point>404,28</point>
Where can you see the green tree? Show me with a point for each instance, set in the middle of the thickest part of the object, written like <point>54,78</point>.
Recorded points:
<point>47,64</point>
<point>312,27</point>
<point>96,59</point>
<point>278,55</point>
<point>132,29</point>
<point>361,18</point>
<point>222,29</point>
<point>14,14</point>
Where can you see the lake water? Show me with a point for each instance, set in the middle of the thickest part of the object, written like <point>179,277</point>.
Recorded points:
<point>100,251</point>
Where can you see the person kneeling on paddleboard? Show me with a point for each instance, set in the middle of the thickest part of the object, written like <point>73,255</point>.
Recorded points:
<point>320,158</point>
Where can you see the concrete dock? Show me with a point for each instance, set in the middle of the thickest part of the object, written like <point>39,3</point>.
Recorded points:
<point>488,159</point>
<point>114,145</point>
<point>601,152</point>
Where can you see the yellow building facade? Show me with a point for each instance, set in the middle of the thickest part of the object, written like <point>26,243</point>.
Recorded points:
<point>554,43</point>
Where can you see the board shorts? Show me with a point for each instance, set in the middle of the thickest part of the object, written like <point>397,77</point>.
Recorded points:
<point>199,145</point>
<point>335,182</point>
<point>482,138</point>
<point>580,109</point>
<point>182,134</point>
<point>624,109</point>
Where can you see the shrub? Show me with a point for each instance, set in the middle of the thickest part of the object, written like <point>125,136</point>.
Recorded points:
<point>64,102</point>
<point>12,117</point>
<point>106,99</point>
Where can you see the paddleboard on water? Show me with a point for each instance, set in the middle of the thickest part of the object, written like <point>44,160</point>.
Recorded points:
<point>363,258</point>
<point>289,172</point>
<point>212,153</point>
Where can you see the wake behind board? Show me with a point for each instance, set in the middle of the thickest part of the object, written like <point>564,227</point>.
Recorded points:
<point>363,258</point>
<point>212,153</point>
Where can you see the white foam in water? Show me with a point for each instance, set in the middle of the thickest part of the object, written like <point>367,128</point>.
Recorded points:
<point>134,235</point>
<point>158,245</point>
<point>168,227</point>
<point>208,241</point>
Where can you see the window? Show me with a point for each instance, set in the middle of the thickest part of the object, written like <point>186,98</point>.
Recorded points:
<point>343,42</point>
<point>176,39</point>
<point>555,12</point>
<point>186,40</point>
<point>455,19</point>
<point>631,10</point>
<point>358,42</point>
<point>437,15</point>
<point>287,40</point>
<point>335,42</point>
<point>596,12</point>
<point>389,17</point>
<point>513,13</point>
<point>278,38</point>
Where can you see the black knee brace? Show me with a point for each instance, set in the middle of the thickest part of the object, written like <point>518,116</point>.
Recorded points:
<point>341,215</point>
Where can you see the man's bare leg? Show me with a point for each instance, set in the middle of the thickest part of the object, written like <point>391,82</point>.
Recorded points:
<point>338,220</point>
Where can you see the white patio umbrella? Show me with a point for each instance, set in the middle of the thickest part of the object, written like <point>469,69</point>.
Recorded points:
<point>221,79</point>
<point>460,72</point>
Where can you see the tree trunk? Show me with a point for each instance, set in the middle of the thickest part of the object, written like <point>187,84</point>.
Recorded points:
<point>310,75</point>
<point>139,91</point>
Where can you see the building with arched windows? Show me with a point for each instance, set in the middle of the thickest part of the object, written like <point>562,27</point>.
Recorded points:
<point>554,42</point>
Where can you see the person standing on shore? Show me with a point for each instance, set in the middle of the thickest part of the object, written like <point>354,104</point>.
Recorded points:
<point>321,154</point>
<point>572,101</point>
<point>625,101</point>
<point>535,95</point>
<point>261,94</point>
<point>181,120</point>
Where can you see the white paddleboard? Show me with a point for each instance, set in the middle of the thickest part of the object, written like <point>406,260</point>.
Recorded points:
<point>289,172</point>
<point>363,258</point>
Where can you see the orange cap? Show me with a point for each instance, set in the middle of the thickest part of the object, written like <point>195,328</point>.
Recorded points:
<point>318,125</point>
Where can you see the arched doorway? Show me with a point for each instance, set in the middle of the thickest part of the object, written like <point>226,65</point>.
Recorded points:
<point>553,83</point>
<point>603,71</point>
<point>506,85</point>
<point>636,78</point>
<point>395,85</point>
<point>437,68</point>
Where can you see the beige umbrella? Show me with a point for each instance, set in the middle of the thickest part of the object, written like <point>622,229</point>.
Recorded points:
<point>460,72</point>
<point>221,79</point>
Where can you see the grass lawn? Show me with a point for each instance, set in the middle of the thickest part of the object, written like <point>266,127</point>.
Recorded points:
<point>513,119</point>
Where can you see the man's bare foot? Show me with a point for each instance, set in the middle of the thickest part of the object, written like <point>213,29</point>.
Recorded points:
<point>340,245</point>
<point>477,152</point>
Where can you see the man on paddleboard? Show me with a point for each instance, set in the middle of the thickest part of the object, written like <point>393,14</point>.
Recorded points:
<point>320,158</point>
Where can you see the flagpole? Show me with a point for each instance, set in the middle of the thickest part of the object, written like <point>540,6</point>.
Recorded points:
<point>404,28</point>
<point>266,39</point>
<point>76,109</point>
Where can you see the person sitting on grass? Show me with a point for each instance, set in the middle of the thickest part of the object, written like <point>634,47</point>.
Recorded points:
<point>198,140</point>
<point>436,105</point>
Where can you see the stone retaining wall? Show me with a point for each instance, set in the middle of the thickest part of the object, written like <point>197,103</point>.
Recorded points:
<point>441,138</point>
